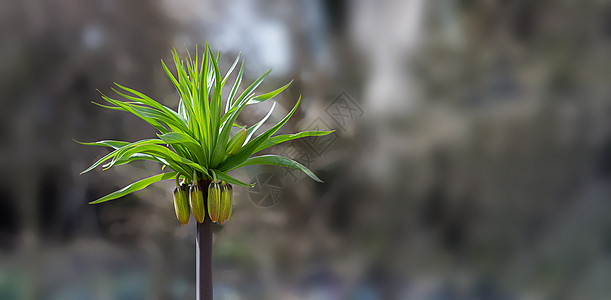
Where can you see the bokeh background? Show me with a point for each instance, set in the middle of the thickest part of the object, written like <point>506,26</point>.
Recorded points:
<point>472,157</point>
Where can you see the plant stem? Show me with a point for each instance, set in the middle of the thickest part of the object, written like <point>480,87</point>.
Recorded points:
<point>203,250</point>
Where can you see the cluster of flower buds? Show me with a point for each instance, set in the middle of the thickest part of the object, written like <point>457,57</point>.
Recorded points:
<point>218,202</point>
<point>220,198</point>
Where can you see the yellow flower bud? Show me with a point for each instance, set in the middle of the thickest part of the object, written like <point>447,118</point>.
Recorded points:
<point>226,202</point>
<point>197,201</point>
<point>214,201</point>
<point>181,203</point>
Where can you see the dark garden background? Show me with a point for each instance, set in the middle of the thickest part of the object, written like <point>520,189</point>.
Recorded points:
<point>472,157</point>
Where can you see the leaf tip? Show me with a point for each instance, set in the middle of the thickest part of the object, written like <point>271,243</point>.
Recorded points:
<point>98,201</point>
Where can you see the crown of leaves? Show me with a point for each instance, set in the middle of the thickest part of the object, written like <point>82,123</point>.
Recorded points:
<point>194,138</point>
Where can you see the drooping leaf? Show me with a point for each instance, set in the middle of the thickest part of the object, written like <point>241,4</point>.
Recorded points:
<point>112,154</point>
<point>225,177</point>
<point>137,156</point>
<point>108,143</point>
<point>185,165</point>
<point>127,150</point>
<point>148,113</point>
<point>281,161</point>
<point>188,142</point>
<point>144,99</point>
<point>123,107</point>
<point>275,140</point>
<point>136,186</point>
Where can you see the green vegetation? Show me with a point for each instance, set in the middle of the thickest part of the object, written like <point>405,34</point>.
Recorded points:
<point>195,141</point>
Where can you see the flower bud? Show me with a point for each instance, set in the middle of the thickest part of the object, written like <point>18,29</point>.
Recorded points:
<point>214,201</point>
<point>226,201</point>
<point>236,142</point>
<point>196,196</point>
<point>181,203</point>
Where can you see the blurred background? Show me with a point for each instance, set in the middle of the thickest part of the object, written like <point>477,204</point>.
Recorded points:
<point>471,158</point>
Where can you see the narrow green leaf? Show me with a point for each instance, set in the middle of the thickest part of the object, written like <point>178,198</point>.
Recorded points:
<point>235,63</point>
<point>165,153</point>
<point>281,161</point>
<point>235,87</point>
<point>253,86</point>
<point>144,99</point>
<point>251,146</point>
<point>182,111</point>
<point>252,130</point>
<point>241,102</point>
<point>128,108</point>
<point>215,101</point>
<point>175,124</point>
<point>188,142</point>
<point>136,186</point>
<point>163,114</point>
<point>137,156</point>
<point>113,154</point>
<point>107,143</point>
<point>267,96</point>
<point>231,116</point>
<point>226,177</point>
<point>187,109</point>
<point>275,140</point>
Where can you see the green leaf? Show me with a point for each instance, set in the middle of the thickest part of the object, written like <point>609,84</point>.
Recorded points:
<point>281,161</point>
<point>216,94</point>
<point>188,142</point>
<point>137,156</point>
<point>136,186</point>
<point>107,143</point>
<point>144,99</point>
<point>235,63</point>
<point>230,117</point>
<point>149,113</point>
<point>113,154</point>
<point>194,137</point>
<point>248,149</point>
<point>170,115</point>
<point>275,140</point>
<point>235,87</point>
<point>203,104</point>
<point>267,96</point>
<point>225,177</point>
<point>251,131</point>
<point>127,150</point>
<point>241,102</point>
<point>189,109</point>
<point>252,87</point>
<point>123,107</point>
<point>176,161</point>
